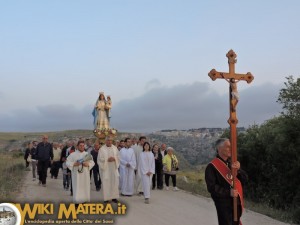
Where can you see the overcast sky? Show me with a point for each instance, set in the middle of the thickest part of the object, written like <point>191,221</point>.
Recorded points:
<point>152,57</point>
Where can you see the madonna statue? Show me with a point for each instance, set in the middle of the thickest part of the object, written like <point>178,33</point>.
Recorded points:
<point>100,113</point>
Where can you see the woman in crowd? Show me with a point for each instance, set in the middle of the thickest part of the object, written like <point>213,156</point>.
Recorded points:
<point>33,160</point>
<point>170,164</point>
<point>147,169</point>
<point>27,156</point>
<point>157,177</point>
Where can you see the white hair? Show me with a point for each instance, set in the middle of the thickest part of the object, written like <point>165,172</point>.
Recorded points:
<point>170,148</point>
<point>220,142</point>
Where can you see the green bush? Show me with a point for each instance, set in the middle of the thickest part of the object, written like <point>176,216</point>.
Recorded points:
<point>270,155</point>
<point>296,215</point>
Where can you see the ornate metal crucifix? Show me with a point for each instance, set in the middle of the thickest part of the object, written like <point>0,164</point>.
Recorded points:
<point>232,78</point>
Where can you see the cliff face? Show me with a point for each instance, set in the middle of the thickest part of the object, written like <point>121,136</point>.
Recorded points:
<point>197,148</point>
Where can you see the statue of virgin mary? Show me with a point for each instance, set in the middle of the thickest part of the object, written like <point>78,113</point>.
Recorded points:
<point>100,113</point>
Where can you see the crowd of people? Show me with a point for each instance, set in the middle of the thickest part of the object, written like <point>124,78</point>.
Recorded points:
<point>119,167</point>
<point>130,166</point>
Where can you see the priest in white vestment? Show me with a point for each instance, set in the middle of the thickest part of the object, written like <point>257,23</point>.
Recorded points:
<point>80,173</point>
<point>138,178</point>
<point>127,167</point>
<point>146,169</point>
<point>108,161</point>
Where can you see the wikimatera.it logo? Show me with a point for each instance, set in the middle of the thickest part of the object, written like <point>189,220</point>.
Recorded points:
<point>29,213</point>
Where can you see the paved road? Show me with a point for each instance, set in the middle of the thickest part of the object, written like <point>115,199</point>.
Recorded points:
<point>165,208</point>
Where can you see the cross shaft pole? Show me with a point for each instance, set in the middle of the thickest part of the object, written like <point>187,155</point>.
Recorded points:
<point>232,78</point>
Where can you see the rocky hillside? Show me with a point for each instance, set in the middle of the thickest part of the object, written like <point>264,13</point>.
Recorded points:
<point>195,150</point>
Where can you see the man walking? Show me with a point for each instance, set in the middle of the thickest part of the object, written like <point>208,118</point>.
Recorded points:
<point>44,153</point>
<point>138,177</point>
<point>127,166</point>
<point>219,183</point>
<point>80,165</point>
<point>108,161</point>
<point>95,169</point>
<point>56,160</point>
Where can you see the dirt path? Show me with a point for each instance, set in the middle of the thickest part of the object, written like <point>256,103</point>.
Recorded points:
<point>165,208</point>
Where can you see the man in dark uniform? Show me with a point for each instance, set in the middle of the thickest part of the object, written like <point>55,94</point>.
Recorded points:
<point>44,153</point>
<point>219,185</point>
<point>66,151</point>
<point>95,168</point>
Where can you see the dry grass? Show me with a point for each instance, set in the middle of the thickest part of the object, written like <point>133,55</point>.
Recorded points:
<point>192,181</point>
<point>7,136</point>
<point>12,171</point>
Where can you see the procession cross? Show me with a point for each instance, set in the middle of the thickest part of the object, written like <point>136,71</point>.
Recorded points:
<point>232,78</point>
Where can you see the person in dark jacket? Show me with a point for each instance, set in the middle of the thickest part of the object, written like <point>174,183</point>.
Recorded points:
<point>27,154</point>
<point>44,155</point>
<point>219,179</point>
<point>66,171</point>
<point>66,151</point>
<point>157,177</point>
<point>95,168</point>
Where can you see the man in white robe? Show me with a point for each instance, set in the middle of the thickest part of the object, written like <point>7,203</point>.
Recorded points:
<point>127,166</point>
<point>138,178</point>
<point>80,174</point>
<point>108,161</point>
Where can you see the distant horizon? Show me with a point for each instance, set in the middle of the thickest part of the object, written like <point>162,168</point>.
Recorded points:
<point>171,129</point>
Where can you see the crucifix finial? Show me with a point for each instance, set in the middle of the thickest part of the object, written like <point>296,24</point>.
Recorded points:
<point>213,74</point>
<point>231,56</point>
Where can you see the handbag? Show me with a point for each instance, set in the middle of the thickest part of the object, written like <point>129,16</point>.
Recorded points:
<point>29,159</point>
<point>165,168</point>
<point>174,164</point>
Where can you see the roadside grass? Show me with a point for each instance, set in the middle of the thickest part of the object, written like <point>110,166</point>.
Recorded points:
<point>10,136</point>
<point>12,171</point>
<point>263,208</point>
<point>193,181</point>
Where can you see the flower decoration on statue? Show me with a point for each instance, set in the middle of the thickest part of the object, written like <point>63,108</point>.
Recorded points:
<point>105,131</point>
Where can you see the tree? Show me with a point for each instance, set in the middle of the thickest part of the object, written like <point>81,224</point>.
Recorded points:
<point>270,154</point>
<point>289,97</point>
